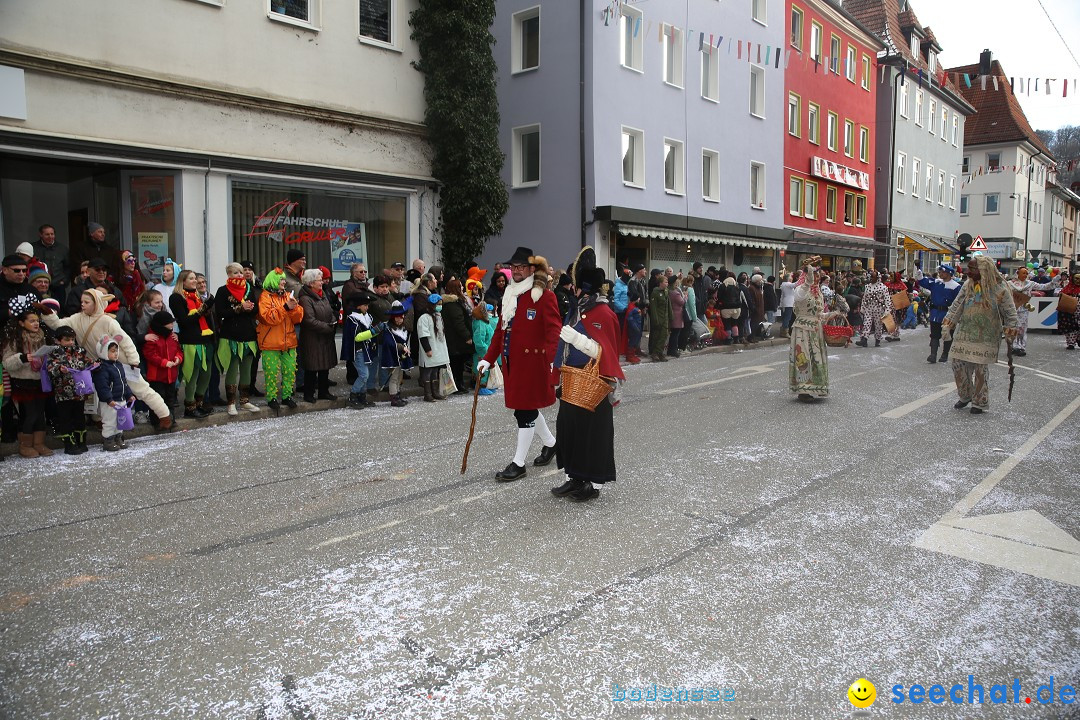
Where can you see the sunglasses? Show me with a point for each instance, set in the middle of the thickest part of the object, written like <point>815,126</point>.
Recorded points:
<point>21,271</point>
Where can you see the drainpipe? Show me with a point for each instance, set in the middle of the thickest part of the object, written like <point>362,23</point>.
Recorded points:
<point>581,116</point>
<point>206,221</point>
<point>901,65</point>
<point>1027,209</point>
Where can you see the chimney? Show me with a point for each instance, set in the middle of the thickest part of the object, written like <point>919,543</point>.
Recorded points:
<point>985,60</point>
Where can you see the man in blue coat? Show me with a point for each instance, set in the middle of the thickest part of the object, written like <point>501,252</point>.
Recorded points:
<point>943,290</point>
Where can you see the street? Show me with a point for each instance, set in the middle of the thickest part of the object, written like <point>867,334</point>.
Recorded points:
<point>765,552</point>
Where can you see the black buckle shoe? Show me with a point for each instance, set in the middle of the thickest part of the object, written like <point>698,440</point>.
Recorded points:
<point>566,488</point>
<point>585,492</point>
<point>547,454</point>
<point>976,411</point>
<point>289,403</point>
<point>511,472</point>
<point>961,404</point>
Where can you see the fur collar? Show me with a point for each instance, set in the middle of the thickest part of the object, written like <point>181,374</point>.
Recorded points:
<point>510,297</point>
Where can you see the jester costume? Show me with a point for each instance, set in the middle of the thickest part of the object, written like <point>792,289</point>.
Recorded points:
<point>237,306</point>
<point>808,361</point>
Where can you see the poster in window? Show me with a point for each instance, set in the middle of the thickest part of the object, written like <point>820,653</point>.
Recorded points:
<point>152,250</point>
<point>348,249</point>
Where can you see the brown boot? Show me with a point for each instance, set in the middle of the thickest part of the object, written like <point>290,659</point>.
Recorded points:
<point>26,445</point>
<point>39,444</point>
<point>230,399</point>
<point>166,424</point>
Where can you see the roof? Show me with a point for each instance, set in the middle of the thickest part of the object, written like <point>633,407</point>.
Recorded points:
<point>885,18</point>
<point>995,121</point>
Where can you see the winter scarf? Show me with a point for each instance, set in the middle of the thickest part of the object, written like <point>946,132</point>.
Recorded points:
<point>194,305</point>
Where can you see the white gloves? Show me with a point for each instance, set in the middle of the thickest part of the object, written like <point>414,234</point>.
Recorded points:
<point>579,341</point>
<point>482,366</point>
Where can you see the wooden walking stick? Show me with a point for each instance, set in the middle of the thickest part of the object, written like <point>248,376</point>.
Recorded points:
<point>1012,370</point>
<point>472,425</point>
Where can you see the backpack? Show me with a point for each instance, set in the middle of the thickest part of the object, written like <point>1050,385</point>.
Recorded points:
<point>731,297</point>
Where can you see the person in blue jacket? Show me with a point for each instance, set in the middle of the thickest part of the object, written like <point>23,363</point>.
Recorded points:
<point>943,290</point>
<point>112,391</point>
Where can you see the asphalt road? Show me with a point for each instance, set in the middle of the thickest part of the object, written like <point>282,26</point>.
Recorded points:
<point>336,564</point>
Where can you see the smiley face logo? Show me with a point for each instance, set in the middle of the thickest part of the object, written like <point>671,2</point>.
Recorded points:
<point>862,693</point>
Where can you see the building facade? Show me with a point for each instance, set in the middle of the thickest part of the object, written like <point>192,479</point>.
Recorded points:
<point>662,146</point>
<point>209,131</point>
<point>1058,246</point>
<point>829,140</point>
<point>1006,168</point>
<point>921,121</point>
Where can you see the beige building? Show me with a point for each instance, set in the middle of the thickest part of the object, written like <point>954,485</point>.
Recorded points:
<point>214,130</point>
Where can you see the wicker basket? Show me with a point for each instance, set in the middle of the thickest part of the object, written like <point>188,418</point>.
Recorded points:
<point>583,386</point>
<point>837,332</point>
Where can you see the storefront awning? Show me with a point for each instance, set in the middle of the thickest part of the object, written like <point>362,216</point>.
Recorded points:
<point>659,233</point>
<point>914,243</point>
<point>831,244</point>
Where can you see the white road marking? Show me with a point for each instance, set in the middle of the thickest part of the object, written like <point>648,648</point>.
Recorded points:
<point>979,492</point>
<point>742,374</point>
<point>911,407</point>
<point>864,372</point>
<point>1023,541</point>
<point>1048,376</point>
<point>430,511</point>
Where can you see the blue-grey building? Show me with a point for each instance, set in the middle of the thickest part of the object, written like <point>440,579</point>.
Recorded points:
<point>651,131</point>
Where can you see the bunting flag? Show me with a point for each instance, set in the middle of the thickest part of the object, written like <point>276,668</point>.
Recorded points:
<point>778,50</point>
<point>768,54</point>
<point>1047,84</point>
<point>759,53</point>
<point>994,78</point>
<point>740,50</point>
<point>637,26</point>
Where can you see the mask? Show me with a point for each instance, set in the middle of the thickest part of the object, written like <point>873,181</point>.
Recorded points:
<point>438,308</point>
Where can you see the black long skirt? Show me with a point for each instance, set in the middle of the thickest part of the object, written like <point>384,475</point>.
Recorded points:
<point>585,447</point>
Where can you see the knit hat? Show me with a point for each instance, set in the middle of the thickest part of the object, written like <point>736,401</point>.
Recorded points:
<point>434,299</point>
<point>13,260</point>
<point>104,343</point>
<point>293,255</point>
<point>25,249</point>
<point>273,279</point>
<point>37,272</point>
<point>160,319</point>
<point>247,264</point>
<point>64,331</point>
<point>93,227</point>
<point>327,276</point>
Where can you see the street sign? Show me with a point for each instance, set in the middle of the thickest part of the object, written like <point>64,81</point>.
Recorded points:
<point>978,244</point>
<point>1018,255</point>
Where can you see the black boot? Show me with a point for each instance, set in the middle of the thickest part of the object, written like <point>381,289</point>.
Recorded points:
<point>571,485</point>
<point>932,358</point>
<point>547,454</point>
<point>70,446</point>
<point>513,471</point>
<point>428,394</point>
<point>861,342</point>
<point>945,355</point>
<point>585,492</point>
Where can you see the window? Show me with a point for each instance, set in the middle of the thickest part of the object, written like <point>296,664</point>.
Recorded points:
<point>832,130</point>
<point>759,11</point>
<point>929,194</point>
<point>674,166</point>
<point>993,162</point>
<point>710,175</point>
<point>902,94</point>
<point>852,60</point>
<point>944,122</point>
<point>834,54</point>
<point>631,39</point>
<point>376,21</point>
<point>795,196</point>
<point>813,124</point>
<point>918,107</point>
<point>526,156</point>
<point>674,55</point>
<point>914,44</point>
<point>525,42</point>
<point>866,72</point>
<point>964,205</point>
<point>816,33</point>
<point>757,91</point>
<point>916,176</point>
<point>901,163</point>
<point>796,28</point>
<point>849,138</point>
<point>297,10</point>
<point>952,192</point>
<point>849,208</point>
<point>964,167</point>
<point>931,118</point>
<point>810,205</point>
<point>931,60</point>
<point>757,185</point>
<point>633,157</point>
<point>991,207</point>
<point>864,144</point>
<point>941,188</point>
<point>860,211</point>
<point>710,74</point>
<point>794,114</point>
<point>830,204</point>
<point>955,129</point>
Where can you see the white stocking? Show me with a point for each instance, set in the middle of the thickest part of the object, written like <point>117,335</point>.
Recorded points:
<point>542,430</point>
<point>524,440</point>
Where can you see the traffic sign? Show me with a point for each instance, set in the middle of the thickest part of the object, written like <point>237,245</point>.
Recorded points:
<point>978,244</point>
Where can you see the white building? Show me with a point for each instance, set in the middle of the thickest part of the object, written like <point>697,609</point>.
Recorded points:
<point>177,124</point>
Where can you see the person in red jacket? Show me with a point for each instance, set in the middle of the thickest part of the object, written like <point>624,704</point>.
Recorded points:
<point>586,450</point>
<point>163,359</point>
<point>526,338</point>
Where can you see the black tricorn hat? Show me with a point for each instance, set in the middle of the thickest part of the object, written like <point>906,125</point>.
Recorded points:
<point>522,256</point>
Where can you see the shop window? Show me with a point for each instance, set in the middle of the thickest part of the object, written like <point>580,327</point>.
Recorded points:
<point>333,227</point>
<point>153,221</point>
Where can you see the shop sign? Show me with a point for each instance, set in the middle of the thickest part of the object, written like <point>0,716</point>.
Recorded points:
<point>348,249</point>
<point>152,251</point>
<point>999,250</point>
<point>822,168</point>
<point>278,223</point>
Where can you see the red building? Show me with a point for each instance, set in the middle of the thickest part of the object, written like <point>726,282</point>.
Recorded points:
<point>829,135</point>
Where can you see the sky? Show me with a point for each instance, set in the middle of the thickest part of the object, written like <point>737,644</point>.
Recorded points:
<point>1022,39</point>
